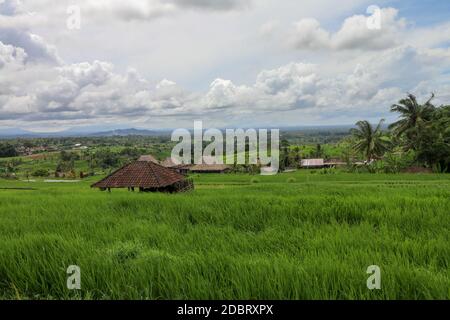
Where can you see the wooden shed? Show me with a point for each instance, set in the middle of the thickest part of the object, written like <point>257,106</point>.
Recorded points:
<point>145,176</point>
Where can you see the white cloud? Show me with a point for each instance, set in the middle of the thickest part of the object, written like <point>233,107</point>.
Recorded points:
<point>95,91</point>
<point>309,35</point>
<point>353,34</point>
<point>15,26</point>
<point>149,9</point>
<point>11,56</point>
<point>213,5</point>
<point>37,87</point>
<point>269,29</point>
<point>85,73</point>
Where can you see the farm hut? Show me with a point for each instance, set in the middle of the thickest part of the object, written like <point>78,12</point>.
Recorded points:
<point>145,176</point>
<point>333,163</point>
<point>210,168</point>
<point>180,168</point>
<point>148,158</point>
<point>312,163</point>
<point>210,165</point>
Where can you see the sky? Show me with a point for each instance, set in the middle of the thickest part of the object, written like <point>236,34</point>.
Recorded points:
<point>230,63</point>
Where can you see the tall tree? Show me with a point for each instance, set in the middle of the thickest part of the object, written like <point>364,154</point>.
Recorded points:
<point>433,144</point>
<point>7,150</point>
<point>413,117</point>
<point>369,140</point>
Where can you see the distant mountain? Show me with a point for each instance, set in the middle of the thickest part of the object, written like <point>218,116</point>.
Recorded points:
<point>126,132</point>
<point>19,133</point>
<point>90,132</point>
<point>13,132</point>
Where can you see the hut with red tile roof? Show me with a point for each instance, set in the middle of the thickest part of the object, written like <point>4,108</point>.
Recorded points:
<point>145,176</point>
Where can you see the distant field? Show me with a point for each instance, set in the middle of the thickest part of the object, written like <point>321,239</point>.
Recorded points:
<point>291,236</point>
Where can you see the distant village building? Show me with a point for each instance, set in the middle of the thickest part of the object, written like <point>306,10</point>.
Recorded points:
<point>210,165</point>
<point>145,176</point>
<point>210,168</point>
<point>333,163</point>
<point>28,151</point>
<point>180,168</point>
<point>321,163</point>
<point>312,163</point>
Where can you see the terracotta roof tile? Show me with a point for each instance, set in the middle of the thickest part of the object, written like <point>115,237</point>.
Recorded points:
<point>140,174</point>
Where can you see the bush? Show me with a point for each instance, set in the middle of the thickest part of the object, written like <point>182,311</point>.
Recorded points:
<point>327,171</point>
<point>7,150</point>
<point>254,180</point>
<point>395,162</point>
<point>40,173</point>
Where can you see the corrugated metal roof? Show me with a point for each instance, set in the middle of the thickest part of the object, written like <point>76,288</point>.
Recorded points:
<point>140,174</point>
<point>312,163</point>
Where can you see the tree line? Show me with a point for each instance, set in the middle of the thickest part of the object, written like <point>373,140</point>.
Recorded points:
<point>422,134</point>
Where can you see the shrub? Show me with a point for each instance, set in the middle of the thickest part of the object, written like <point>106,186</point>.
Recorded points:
<point>40,173</point>
<point>7,150</point>
<point>254,180</point>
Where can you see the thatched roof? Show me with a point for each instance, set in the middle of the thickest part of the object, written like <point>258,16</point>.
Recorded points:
<point>148,158</point>
<point>140,174</point>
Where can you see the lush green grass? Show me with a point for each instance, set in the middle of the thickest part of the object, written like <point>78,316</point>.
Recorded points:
<point>292,236</point>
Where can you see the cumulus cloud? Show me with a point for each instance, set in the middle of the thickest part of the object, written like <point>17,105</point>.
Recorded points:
<point>36,86</point>
<point>151,9</point>
<point>11,56</point>
<point>353,34</point>
<point>269,28</point>
<point>15,26</point>
<point>36,48</point>
<point>309,35</point>
<point>96,91</point>
<point>213,5</point>
<point>14,16</point>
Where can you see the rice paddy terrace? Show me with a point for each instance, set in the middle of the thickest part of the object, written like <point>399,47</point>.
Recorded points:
<point>292,236</point>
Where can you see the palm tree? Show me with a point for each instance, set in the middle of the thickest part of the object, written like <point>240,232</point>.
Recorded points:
<point>412,114</point>
<point>369,140</point>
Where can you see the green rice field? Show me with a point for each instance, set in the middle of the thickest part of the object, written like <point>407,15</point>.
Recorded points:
<point>299,235</point>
